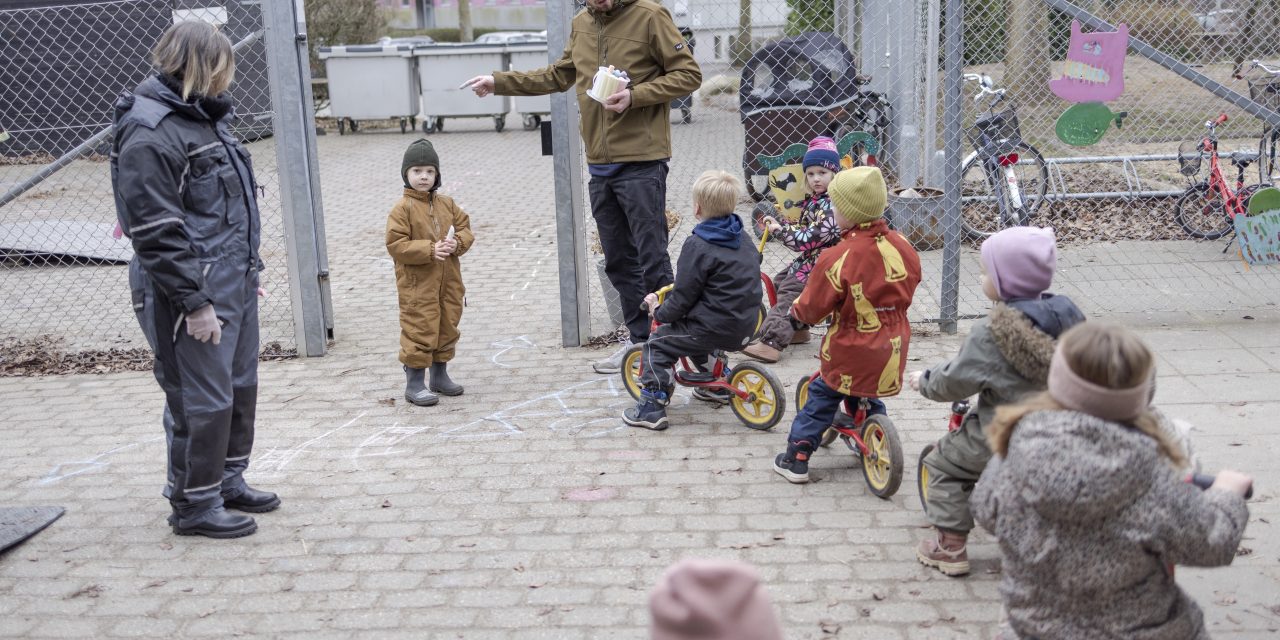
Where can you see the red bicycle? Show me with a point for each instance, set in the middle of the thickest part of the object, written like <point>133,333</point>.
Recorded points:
<point>1207,209</point>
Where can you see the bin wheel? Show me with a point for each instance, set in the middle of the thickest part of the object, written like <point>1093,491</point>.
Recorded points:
<point>499,122</point>
<point>342,127</point>
<point>686,115</point>
<point>354,127</point>
<point>429,125</point>
<point>404,125</point>
<point>532,121</point>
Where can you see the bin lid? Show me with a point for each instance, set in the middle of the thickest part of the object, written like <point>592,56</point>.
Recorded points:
<point>457,48</point>
<point>366,51</point>
<point>527,47</point>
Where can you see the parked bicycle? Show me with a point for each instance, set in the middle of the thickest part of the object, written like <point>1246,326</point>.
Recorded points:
<point>1264,88</point>
<point>1004,179</point>
<point>1207,209</point>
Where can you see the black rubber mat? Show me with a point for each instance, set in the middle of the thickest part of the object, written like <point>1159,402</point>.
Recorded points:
<point>19,523</point>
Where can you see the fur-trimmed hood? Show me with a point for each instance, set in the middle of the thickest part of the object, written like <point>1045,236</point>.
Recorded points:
<point>1027,331</point>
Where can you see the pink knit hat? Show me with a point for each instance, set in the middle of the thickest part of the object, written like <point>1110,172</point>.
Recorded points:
<point>822,152</point>
<point>711,600</point>
<point>1020,261</point>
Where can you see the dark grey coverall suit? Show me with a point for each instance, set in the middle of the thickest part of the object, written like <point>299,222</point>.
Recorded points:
<point>185,196</point>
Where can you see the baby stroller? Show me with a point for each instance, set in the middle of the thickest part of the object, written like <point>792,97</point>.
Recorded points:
<point>799,88</point>
<point>685,103</point>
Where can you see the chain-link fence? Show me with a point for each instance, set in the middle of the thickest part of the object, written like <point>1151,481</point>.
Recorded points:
<point>63,274</point>
<point>873,75</point>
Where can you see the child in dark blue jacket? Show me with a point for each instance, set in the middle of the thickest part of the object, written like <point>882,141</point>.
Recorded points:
<point>714,304</point>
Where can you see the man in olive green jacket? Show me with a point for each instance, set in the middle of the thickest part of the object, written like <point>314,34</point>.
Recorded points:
<point>627,137</point>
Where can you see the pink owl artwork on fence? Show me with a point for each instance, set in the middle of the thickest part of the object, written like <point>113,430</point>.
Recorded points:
<point>1095,66</point>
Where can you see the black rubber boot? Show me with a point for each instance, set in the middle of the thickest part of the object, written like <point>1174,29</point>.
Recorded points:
<point>253,501</point>
<point>440,382</point>
<point>219,524</point>
<point>415,390</point>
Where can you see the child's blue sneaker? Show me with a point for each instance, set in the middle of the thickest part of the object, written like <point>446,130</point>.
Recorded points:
<point>650,413</point>
<point>793,464</point>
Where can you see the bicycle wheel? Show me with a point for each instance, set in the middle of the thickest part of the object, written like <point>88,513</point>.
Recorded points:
<point>765,402</point>
<point>882,465</point>
<point>922,478</point>
<point>631,370</point>
<point>1267,168</point>
<point>760,315</point>
<point>982,193</point>
<point>1200,213</point>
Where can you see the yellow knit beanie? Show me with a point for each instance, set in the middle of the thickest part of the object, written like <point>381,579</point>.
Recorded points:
<point>859,194</point>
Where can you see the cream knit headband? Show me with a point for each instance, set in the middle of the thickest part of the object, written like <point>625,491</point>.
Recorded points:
<point>1076,393</point>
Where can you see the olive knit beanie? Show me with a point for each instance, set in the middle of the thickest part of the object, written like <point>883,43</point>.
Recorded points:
<point>859,194</point>
<point>420,154</point>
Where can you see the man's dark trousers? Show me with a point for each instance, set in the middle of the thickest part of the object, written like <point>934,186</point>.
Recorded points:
<point>630,211</point>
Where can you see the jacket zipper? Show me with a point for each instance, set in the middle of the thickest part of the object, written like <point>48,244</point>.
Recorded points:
<point>603,50</point>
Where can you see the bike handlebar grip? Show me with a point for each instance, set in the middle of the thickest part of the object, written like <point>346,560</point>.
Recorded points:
<point>1222,117</point>
<point>1204,481</point>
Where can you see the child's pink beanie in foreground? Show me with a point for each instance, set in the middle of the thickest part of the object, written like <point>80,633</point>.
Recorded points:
<point>711,600</point>
<point>1021,261</point>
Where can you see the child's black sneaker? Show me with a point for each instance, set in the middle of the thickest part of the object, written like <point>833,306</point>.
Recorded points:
<point>650,413</point>
<point>794,463</point>
<point>713,394</point>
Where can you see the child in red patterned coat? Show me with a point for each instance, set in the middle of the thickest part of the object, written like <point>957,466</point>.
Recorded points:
<point>866,283</point>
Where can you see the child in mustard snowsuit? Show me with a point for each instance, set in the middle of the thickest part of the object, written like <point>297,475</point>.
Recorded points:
<point>426,233</point>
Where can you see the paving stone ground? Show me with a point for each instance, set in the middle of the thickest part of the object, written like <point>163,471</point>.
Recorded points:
<point>523,509</point>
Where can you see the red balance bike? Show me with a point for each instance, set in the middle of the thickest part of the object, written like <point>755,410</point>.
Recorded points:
<point>872,439</point>
<point>757,398</point>
<point>959,409</point>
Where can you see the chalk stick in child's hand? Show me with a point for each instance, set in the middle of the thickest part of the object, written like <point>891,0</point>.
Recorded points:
<point>449,236</point>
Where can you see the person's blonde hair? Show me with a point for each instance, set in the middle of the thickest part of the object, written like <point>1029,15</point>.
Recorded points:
<point>716,192</point>
<point>198,55</point>
<point>1107,355</point>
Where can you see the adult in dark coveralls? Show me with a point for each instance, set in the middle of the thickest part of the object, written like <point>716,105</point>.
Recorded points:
<point>185,196</point>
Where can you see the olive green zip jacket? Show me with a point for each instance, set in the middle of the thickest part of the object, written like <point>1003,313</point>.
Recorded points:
<point>639,37</point>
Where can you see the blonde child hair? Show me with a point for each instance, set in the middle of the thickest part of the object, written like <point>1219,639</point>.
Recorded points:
<point>1105,355</point>
<point>198,55</point>
<point>716,193</point>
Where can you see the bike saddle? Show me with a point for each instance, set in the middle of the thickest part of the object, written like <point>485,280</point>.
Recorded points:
<point>697,376</point>
<point>843,420</point>
<point>1243,158</point>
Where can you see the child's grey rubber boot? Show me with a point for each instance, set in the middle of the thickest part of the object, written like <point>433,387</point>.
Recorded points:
<point>415,391</point>
<point>440,382</point>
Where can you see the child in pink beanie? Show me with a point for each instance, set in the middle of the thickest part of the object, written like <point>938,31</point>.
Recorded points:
<point>711,600</point>
<point>1005,357</point>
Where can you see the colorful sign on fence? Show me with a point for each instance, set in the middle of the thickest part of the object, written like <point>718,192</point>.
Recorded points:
<point>1259,232</point>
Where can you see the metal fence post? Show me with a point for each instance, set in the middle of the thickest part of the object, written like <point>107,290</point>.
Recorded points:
<point>571,241</point>
<point>290,80</point>
<point>953,62</point>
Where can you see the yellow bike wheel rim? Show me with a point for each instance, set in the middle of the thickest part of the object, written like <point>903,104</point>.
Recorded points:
<point>760,404</point>
<point>876,461</point>
<point>924,483</point>
<point>631,364</point>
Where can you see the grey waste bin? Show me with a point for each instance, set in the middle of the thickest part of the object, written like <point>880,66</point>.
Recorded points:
<point>917,214</point>
<point>371,82</point>
<point>442,68</point>
<point>527,57</point>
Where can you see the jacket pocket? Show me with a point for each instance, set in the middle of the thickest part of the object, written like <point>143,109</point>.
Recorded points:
<point>205,195</point>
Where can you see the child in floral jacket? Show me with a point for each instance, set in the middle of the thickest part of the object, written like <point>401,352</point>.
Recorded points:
<point>814,231</point>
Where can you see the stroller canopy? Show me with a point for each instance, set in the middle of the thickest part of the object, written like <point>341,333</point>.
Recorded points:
<point>812,70</point>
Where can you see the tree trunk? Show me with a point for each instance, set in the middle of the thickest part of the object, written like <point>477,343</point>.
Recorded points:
<point>464,21</point>
<point>741,45</point>
<point>1027,51</point>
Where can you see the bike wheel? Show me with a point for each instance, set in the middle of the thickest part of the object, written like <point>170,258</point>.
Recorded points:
<point>983,194</point>
<point>1267,168</point>
<point>882,464</point>
<point>766,402</point>
<point>1201,214</point>
<point>922,478</point>
<point>631,370</point>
